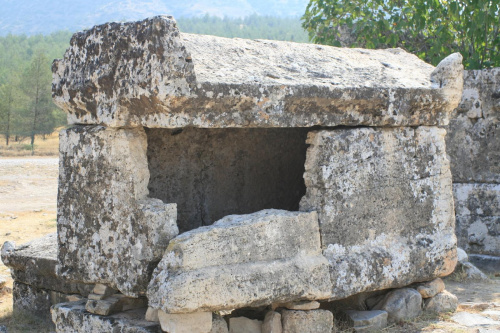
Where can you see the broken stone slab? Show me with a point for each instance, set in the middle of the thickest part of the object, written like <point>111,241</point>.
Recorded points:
<point>299,305</point>
<point>34,263</point>
<point>244,325</point>
<point>367,321</point>
<point>114,304</point>
<point>401,304</point>
<point>314,321</point>
<point>468,272</point>
<point>442,302</point>
<point>272,323</point>
<point>486,263</point>
<point>200,322</point>
<point>473,139</point>
<point>73,318</point>
<point>104,214</point>
<point>431,288</point>
<point>394,188</point>
<point>147,73</point>
<point>242,261</point>
<point>477,209</point>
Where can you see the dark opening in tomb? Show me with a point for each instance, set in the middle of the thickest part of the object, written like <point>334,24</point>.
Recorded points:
<point>211,173</point>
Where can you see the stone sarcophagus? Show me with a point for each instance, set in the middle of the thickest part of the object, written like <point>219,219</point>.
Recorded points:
<point>211,174</point>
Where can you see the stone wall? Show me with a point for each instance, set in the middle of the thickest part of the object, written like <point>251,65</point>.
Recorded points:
<point>473,145</point>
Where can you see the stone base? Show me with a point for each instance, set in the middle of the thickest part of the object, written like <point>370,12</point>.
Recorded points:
<point>72,318</point>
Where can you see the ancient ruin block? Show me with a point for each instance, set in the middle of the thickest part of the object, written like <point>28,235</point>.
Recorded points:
<point>109,231</point>
<point>149,74</point>
<point>242,260</point>
<point>34,263</point>
<point>473,140</point>
<point>477,209</point>
<point>72,317</point>
<point>385,206</point>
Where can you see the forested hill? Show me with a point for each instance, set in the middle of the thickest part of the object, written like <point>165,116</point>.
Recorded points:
<point>46,16</point>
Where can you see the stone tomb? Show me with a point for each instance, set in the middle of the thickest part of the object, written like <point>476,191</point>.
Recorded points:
<point>211,174</point>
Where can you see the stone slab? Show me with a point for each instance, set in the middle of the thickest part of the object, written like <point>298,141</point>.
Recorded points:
<point>148,73</point>
<point>72,318</point>
<point>314,321</point>
<point>486,263</point>
<point>200,322</point>
<point>241,261</point>
<point>385,206</point>
<point>367,321</point>
<point>272,323</point>
<point>109,231</point>
<point>473,140</point>
<point>477,209</point>
<point>473,319</point>
<point>34,263</point>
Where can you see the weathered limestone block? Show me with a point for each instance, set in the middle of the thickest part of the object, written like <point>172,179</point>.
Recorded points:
<point>109,231</point>
<point>34,263</point>
<point>431,288</point>
<point>244,325</point>
<point>385,206</point>
<point>219,325</point>
<point>72,318</point>
<point>405,303</point>
<point>367,321</point>
<point>300,305</point>
<point>314,321</point>
<point>32,300</point>
<point>442,302</point>
<point>148,73</point>
<point>240,261</point>
<point>473,140</point>
<point>200,322</point>
<point>477,208</point>
<point>272,323</point>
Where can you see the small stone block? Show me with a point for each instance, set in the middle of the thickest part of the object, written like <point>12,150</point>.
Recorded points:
<point>244,325</point>
<point>272,323</point>
<point>314,321</point>
<point>199,322</point>
<point>300,305</point>
<point>152,315</point>
<point>431,288</point>
<point>367,321</point>
<point>101,289</point>
<point>219,325</point>
<point>442,302</point>
<point>96,297</point>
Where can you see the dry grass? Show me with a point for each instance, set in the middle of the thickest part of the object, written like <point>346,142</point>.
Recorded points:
<point>43,147</point>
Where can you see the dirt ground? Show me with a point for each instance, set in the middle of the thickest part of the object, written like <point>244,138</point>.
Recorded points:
<point>28,193</point>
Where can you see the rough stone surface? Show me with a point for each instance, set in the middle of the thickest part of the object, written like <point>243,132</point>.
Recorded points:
<point>151,315</point>
<point>314,321</point>
<point>148,73</point>
<point>219,325</point>
<point>109,231</point>
<point>272,323</point>
<point>473,140</point>
<point>462,256</point>
<point>477,209</point>
<point>114,304</point>
<point>471,272</point>
<point>212,173</point>
<point>34,263</point>
<point>301,305</point>
<point>431,288</point>
<point>32,300</point>
<point>487,264</point>
<point>72,318</point>
<point>244,325</point>
<point>442,302</point>
<point>393,187</point>
<point>473,319</point>
<point>405,303</point>
<point>367,321</point>
<point>200,322</point>
<point>242,261</point>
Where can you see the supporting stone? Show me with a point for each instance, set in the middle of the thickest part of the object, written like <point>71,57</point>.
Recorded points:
<point>431,288</point>
<point>314,321</point>
<point>272,323</point>
<point>219,325</point>
<point>72,318</point>
<point>241,261</point>
<point>393,188</point>
<point>200,322</point>
<point>367,321</point>
<point>109,231</point>
<point>244,325</point>
<point>300,305</point>
<point>401,304</point>
<point>442,302</point>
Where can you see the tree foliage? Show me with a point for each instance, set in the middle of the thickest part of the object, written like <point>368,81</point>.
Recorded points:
<point>431,29</point>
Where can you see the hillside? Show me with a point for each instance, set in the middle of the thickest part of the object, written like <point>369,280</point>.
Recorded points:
<point>46,16</point>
